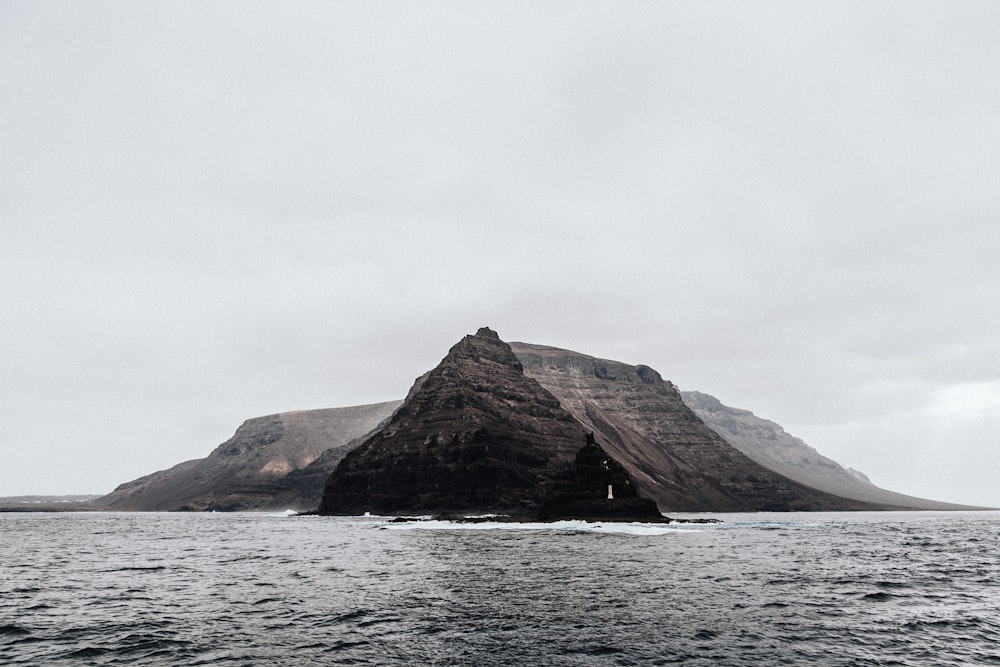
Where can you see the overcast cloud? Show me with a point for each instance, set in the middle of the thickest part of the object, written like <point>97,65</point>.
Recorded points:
<point>215,211</point>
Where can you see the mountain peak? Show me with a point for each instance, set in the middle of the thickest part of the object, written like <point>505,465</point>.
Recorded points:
<point>483,346</point>
<point>486,332</point>
<point>477,434</point>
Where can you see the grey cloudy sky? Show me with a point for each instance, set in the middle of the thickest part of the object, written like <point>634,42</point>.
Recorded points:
<point>214,211</point>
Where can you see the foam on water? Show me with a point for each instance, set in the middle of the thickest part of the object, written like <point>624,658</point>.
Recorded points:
<point>557,526</point>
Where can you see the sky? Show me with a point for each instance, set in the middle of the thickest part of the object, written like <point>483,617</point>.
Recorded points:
<point>216,211</point>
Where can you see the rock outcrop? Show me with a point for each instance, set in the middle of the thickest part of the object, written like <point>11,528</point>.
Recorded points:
<point>477,436</point>
<point>275,462</point>
<point>602,489</point>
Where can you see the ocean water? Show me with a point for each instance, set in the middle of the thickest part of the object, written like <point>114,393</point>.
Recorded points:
<point>266,589</point>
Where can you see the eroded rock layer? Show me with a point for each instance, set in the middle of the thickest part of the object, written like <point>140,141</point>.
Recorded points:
<point>670,453</point>
<point>478,435</point>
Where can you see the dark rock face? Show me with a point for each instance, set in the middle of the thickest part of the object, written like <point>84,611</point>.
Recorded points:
<point>670,453</point>
<point>598,475</point>
<point>601,490</point>
<point>478,435</point>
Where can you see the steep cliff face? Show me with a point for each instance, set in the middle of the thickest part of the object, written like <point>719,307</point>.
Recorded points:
<point>770,445</point>
<point>255,469</point>
<point>478,435</point>
<point>671,454</point>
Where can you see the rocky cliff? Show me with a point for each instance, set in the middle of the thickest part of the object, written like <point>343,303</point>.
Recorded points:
<point>670,453</point>
<point>278,461</point>
<point>478,435</point>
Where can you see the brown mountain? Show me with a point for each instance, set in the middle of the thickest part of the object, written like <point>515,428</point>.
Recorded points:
<point>671,454</point>
<point>282,461</point>
<point>478,435</point>
<point>278,461</point>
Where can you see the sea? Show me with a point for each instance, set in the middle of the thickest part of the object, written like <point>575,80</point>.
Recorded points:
<point>914,588</point>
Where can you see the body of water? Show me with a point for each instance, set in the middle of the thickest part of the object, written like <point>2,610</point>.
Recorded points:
<point>265,589</point>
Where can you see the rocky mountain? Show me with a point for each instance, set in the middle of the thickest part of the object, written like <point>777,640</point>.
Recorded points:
<point>768,444</point>
<point>478,435</point>
<point>278,461</point>
<point>737,462</point>
<point>671,454</point>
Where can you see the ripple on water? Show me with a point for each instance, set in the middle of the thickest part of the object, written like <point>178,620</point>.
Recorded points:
<point>254,589</point>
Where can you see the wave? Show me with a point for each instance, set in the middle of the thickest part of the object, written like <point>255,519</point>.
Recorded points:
<point>555,526</point>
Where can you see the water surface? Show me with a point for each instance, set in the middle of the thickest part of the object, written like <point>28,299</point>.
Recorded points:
<point>261,589</point>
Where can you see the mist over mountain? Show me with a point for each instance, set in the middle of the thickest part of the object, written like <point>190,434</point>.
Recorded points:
<point>768,444</point>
